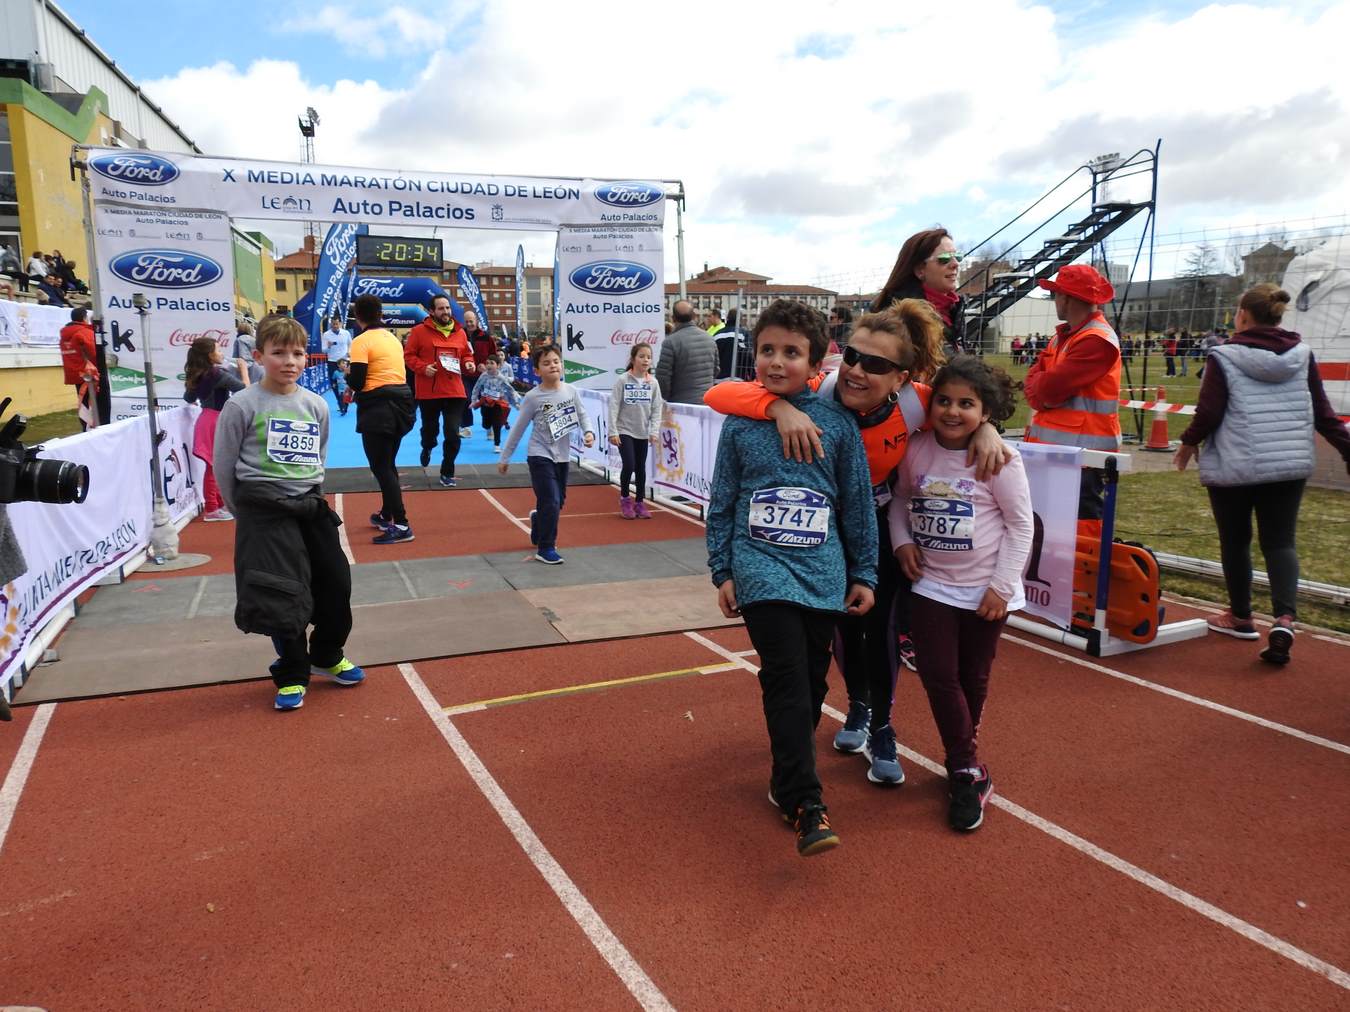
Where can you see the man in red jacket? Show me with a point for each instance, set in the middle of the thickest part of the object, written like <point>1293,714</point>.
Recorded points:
<point>438,355</point>
<point>79,361</point>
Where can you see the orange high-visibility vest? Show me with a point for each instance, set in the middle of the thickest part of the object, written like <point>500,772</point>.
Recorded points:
<point>1090,418</point>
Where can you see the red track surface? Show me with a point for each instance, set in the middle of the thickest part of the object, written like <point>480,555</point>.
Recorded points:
<point>197,849</point>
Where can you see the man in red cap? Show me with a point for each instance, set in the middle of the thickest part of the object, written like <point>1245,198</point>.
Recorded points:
<point>1074,387</point>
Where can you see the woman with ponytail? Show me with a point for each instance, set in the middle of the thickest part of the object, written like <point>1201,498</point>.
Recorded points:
<point>886,360</point>
<point>928,268</point>
<point>1256,415</point>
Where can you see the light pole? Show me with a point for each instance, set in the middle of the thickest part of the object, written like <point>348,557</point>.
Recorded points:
<point>163,534</point>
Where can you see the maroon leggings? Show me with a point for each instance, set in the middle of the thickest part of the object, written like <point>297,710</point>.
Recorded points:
<point>954,649</point>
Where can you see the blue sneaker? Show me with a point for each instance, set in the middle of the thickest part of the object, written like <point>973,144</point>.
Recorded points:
<point>534,533</point>
<point>852,737</point>
<point>885,769</point>
<point>394,534</point>
<point>548,556</point>
<point>379,521</point>
<point>292,697</point>
<point>344,672</point>
<point>448,481</point>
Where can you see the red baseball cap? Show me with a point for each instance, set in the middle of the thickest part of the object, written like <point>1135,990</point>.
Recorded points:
<point>1079,281</point>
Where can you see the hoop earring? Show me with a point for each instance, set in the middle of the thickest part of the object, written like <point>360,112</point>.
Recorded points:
<point>893,397</point>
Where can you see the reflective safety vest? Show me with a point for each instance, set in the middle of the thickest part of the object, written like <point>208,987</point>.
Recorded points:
<point>1091,418</point>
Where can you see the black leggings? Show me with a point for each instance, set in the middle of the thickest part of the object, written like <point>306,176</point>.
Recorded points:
<point>1276,504</point>
<point>380,452</point>
<point>633,453</point>
<point>866,646</point>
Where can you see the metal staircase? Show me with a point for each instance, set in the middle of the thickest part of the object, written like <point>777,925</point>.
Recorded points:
<point>1004,288</point>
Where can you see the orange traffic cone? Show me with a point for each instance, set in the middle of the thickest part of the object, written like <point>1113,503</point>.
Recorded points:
<point>1157,433</point>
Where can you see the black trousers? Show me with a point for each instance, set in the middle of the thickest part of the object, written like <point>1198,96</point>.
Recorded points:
<point>865,646</point>
<point>330,581</point>
<point>793,644</point>
<point>494,417</point>
<point>470,381</point>
<point>443,413</point>
<point>633,453</point>
<point>381,451</point>
<point>1276,505</point>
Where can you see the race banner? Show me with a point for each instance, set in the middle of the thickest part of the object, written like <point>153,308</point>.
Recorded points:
<point>468,286</point>
<point>26,323</point>
<point>337,257</point>
<point>612,297</point>
<point>69,547</point>
<point>291,191</point>
<point>1053,474</point>
<point>183,263</point>
<point>520,292</point>
<point>687,451</point>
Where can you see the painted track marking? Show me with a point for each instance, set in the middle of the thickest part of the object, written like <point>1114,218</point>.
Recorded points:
<point>342,530</point>
<point>588,919</point>
<point>19,769</point>
<point>197,598</point>
<point>503,510</point>
<point>1186,697</point>
<point>1191,902</point>
<point>567,690</point>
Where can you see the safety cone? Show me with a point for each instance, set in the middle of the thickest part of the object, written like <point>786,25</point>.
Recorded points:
<point>1157,433</point>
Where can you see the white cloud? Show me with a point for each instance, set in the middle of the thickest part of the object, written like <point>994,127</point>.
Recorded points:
<point>810,140</point>
<point>395,29</point>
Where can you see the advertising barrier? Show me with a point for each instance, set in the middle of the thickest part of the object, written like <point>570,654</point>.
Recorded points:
<point>70,547</point>
<point>26,324</point>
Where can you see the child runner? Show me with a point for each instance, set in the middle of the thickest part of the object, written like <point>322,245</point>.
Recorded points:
<point>886,355</point>
<point>289,569</point>
<point>792,546</point>
<point>964,542</point>
<point>494,397</point>
<point>209,385</point>
<point>635,421</point>
<point>556,411</point>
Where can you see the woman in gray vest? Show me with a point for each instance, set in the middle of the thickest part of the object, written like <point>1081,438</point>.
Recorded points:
<point>1257,410</point>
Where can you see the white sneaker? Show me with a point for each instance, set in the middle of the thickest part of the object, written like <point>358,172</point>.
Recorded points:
<point>466,433</point>
<point>215,516</point>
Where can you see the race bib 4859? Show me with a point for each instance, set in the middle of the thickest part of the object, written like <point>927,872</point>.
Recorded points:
<point>293,442</point>
<point>792,517</point>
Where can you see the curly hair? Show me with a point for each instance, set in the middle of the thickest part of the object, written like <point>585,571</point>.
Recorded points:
<point>991,384</point>
<point>917,328</point>
<point>798,318</point>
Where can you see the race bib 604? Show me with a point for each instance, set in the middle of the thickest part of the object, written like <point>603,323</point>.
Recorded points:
<point>792,517</point>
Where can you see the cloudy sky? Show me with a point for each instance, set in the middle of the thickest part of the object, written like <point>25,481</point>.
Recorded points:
<point>811,137</point>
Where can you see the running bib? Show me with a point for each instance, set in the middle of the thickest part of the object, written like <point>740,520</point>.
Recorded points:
<point>449,362</point>
<point>563,419</point>
<point>942,514</point>
<point>881,493</point>
<point>637,393</point>
<point>293,442</point>
<point>792,517</point>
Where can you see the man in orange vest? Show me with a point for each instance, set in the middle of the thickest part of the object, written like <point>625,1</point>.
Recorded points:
<point>79,361</point>
<point>1074,387</point>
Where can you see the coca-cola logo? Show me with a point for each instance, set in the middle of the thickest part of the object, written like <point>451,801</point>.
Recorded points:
<point>646,335</point>
<point>182,338</point>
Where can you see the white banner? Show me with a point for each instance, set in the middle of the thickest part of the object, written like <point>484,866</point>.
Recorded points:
<point>291,191</point>
<point>26,323</point>
<point>68,547</point>
<point>1053,474</point>
<point>613,296</point>
<point>183,262</point>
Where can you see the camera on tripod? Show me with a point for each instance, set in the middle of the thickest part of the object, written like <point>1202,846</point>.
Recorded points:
<point>25,478</point>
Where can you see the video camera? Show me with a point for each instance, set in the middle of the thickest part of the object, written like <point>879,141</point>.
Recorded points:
<point>24,478</point>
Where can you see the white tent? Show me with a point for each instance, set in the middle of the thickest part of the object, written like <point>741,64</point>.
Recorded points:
<point>1319,281</point>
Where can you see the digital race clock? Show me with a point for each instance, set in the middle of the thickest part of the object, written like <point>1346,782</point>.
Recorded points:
<point>399,252</point>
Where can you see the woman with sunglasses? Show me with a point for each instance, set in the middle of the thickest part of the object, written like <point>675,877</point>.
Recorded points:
<point>884,353</point>
<point>928,268</point>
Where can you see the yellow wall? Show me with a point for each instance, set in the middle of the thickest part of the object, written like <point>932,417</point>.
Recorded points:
<point>269,274</point>
<point>37,391</point>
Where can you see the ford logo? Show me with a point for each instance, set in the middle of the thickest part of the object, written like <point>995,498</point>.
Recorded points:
<point>628,194</point>
<point>144,170</point>
<point>613,277</point>
<point>166,268</point>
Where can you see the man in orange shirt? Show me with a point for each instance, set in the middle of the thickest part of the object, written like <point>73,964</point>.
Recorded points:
<point>79,361</point>
<point>439,357</point>
<point>1074,387</point>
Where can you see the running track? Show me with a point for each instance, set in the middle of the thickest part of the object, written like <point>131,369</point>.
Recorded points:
<point>1176,840</point>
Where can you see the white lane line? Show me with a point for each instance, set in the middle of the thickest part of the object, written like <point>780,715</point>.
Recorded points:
<point>675,513</point>
<point>407,583</point>
<point>19,769</point>
<point>503,510</point>
<point>1201,606</point>
<point>606,943</point>
<point>197,598</point>
<point>342,531</point>
<point>1191,902</point>
<point>1251,718</point>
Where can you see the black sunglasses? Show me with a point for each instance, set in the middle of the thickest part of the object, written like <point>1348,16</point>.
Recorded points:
<point>874,364</point>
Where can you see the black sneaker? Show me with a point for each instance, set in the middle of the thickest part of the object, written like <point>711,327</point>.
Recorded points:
<point>968,796</point>
<point>773,800</point>
<point>814,834</point>
<point>1280,641</point>
<point>425,458</point>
